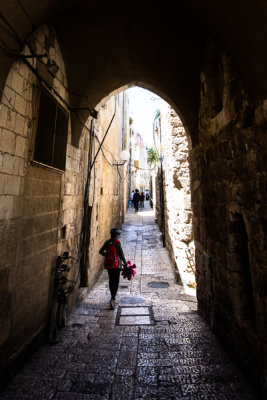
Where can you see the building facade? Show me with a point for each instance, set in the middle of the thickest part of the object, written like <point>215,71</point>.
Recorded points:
<point>171,193</point>
<point>52,191</point>
<point>140,171</point>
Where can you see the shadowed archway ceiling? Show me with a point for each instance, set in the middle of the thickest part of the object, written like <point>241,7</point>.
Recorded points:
<point>158,45</point>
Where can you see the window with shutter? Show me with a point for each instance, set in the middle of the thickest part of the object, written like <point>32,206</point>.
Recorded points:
<point>51,131</point>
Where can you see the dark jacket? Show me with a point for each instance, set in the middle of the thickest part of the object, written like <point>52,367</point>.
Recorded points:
<point>136,197</point>
<point>119,250</point>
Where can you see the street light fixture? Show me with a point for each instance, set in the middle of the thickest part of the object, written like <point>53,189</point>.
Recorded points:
<point>124,156</point>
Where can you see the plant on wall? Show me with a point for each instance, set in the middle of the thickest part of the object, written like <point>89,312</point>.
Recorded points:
<point>152,156</point>
<point>157,114</point>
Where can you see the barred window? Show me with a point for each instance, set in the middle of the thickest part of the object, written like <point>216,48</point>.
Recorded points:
<point>51,132</point>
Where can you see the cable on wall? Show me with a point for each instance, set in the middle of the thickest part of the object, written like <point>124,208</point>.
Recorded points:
<point>23,57</point>
<point>101,144</point>
<point>4,19</point>
<point>70,108</point>
<point>26,13</point>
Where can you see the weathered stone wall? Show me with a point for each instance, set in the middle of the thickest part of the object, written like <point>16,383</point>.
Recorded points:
<point>177,215</point>
<point>177,198</point>
<point>30,206</point>
<point>41,208</point>
<point>229,175</point>
<point>107,189</point>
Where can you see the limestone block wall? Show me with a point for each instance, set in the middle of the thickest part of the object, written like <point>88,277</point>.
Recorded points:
<point>29,211</point>
<point>41,208</point>
<point>177,198</point>
<point>229,174</point>
<point>108,183</point>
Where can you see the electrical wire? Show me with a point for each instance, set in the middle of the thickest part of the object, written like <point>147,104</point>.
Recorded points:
<point>90,109</point>
<point>51,88</point>
<point>5,48</point>
<point>11,28</point>
<point>104,147</point>
<point>55,92</point>
<point>94,181</point>
<point>86,195</point>
<point>101,144</point>
<point>69,107</point>
<point>31,119</point>
<point>102,151</point>
<point>143,169</point>
<point>17,54</point>
<point>25,13</point>
<point>85,126</point>
<point>119,173</point>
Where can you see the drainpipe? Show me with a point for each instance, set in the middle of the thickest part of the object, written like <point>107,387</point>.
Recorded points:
<point>85,227</point>
<point>130,168</point>
<point>85,223</point>
<point>123,121</point>
<point>161,190</point>
<point>122,147</point>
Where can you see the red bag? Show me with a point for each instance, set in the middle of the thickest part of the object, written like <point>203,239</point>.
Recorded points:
<point>111,260</point>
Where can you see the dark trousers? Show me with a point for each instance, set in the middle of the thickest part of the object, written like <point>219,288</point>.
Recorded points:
<point>136,203</point>
<point>114,278</point>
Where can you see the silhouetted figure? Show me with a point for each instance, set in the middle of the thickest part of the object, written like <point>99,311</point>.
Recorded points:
<point>142,199</point>
<point>136,199</point>
<point>113,253</point>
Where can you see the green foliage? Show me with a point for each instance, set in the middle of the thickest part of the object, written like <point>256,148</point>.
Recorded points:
<point>157,114</point>
<point>152,156</point>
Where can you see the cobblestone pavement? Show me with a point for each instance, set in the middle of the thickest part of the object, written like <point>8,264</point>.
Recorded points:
<point>153,345</point>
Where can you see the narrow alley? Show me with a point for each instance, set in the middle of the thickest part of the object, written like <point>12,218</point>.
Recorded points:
<point>153,345</point>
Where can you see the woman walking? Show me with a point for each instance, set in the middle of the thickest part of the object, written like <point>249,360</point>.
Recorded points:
<point>113,253</point>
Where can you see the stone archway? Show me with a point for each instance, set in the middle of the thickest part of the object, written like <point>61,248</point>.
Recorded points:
<point>102,54</point>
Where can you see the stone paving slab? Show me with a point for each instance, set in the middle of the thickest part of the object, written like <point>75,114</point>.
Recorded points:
<point>177,357</point>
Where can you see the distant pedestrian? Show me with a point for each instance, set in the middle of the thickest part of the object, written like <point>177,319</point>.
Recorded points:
<point>142,199</point>
<point>113,253</point>
<point>131,199</point>
<point>136,199</point>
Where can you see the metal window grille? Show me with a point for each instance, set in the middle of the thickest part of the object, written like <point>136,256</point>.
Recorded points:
<point>51,132</point>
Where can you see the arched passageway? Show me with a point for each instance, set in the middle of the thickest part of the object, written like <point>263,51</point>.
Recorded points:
<point>153,345</point>
<point>192,55</point>
<point>106,46</point>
